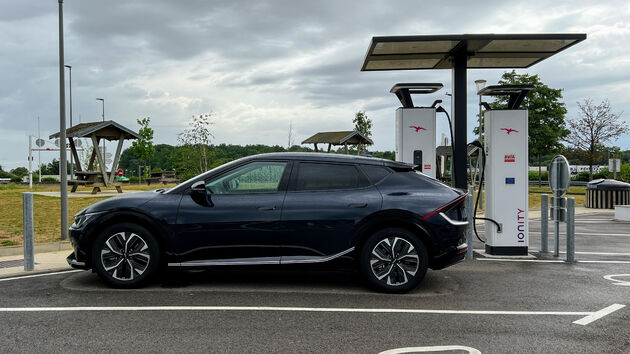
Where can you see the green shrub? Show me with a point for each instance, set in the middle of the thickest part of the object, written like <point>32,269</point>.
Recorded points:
<point>49,180</point>
<point>533,175</point>
<point>133,179</point>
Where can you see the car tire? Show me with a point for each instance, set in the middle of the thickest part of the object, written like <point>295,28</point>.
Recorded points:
<point>393,260</point>
<point>126,255</point>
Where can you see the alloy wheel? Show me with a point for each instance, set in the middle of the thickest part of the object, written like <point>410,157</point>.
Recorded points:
<point>125,256</point>
<point>394,261</point>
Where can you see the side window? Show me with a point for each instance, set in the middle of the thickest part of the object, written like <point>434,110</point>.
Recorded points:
<point>376,173</point>
<point>322,176</point>
<point>255,177</point>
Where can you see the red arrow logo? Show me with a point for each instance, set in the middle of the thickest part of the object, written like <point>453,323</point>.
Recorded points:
<point>417,128</point>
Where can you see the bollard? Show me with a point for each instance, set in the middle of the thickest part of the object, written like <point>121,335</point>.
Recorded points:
<point>556,230</point>
<point>544,223</point>
<point>470,216</point>
<point>27,221</point>
<point>571,229</point>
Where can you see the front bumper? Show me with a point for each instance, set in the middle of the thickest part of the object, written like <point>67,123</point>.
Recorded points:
<point>74,263</point>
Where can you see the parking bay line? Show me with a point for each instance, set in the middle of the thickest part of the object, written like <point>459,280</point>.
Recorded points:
<point>589,316</point>
<point>549,261</point>
<point>41,275</point>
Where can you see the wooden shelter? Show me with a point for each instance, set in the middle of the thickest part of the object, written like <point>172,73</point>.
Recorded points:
<point>344,138</point>
<point>96,131</point>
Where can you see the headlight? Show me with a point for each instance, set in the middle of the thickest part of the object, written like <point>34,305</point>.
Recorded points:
<point>81,219</point>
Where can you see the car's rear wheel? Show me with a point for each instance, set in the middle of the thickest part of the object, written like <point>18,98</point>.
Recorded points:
<point>393,260</point>
<point>126,255</point>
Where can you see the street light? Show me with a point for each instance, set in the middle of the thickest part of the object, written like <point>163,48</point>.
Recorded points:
<point>103,115</point>
<point>70,85</point>
<point>63,189</point>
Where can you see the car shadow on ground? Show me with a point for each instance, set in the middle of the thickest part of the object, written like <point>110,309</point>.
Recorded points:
<point>263,280</point>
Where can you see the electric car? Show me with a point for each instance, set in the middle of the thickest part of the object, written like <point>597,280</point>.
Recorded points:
<point>381,217</point>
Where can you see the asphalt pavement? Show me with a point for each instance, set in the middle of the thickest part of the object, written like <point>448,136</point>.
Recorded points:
<point>488,305</point>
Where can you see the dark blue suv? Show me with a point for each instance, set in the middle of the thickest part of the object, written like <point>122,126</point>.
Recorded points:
<point>388,220</point>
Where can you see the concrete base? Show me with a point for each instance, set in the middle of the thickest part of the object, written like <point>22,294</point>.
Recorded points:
<point>622,212</point>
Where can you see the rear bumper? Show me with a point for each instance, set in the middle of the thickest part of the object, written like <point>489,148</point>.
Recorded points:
<point>450,258</point>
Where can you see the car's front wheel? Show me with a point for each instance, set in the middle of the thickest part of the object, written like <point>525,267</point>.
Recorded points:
<point>126,255</point>
<point>394,260</point>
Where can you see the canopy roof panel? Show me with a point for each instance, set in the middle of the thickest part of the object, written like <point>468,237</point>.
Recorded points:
<point>339,138</point>
<point>484,51</point>
<point>108,129</point>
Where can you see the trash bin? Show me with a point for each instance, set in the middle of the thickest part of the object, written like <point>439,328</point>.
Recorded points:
<point>606,193</point>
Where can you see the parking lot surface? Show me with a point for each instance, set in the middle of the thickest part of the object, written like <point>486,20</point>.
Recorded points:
<point>490,305</point>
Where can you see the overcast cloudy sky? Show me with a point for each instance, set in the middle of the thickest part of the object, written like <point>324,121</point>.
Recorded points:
<point>259,65</point>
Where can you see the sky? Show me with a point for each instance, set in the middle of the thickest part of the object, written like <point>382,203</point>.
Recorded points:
<point>260,66</point>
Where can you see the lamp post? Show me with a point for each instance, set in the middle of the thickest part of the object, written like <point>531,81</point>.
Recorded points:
<point>62,132</point>
<point>103,116</point>
<point>70,86</point>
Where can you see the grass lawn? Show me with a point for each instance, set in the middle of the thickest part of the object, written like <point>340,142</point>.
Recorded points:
<point>46,211</point>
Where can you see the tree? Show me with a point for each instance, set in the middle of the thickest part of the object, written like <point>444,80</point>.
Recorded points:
<point>363,124</point>
<point>19,171</point>
<point>545,114</point>
<point>596,126</point>
<point>198,135</point>
<point>143,148</point>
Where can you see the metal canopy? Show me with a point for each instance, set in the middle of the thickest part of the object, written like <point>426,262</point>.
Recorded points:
<point>460,52</point>
<point>483,51</point>
<point>404,91</point>
<point>517,93</point>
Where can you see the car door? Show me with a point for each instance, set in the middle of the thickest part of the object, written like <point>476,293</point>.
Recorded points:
<point>324,203</point>
<point>239,223</point>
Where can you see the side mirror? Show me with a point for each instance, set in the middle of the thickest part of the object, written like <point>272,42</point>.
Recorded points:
<point>199,194</point>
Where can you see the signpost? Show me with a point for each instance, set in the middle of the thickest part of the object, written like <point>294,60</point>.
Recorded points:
<point>614,166</point>
<point>120,172</point>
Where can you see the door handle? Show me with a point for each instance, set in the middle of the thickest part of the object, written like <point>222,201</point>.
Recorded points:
<point>357,205</point>
<point>267,208</point>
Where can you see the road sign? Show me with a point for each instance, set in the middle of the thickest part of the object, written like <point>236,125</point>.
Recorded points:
<point>108,161</point>
<point>559,176</point>
<point>40,142</point>
<point>614,165</point>
<point>108,155</point>
<point>77,142</point>
<point>120,172</point>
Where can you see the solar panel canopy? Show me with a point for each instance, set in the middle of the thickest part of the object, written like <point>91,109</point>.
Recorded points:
<point>483,51</point>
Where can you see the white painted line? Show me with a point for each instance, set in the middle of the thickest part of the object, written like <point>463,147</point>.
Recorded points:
<point>440,348</point>
<point>521,260</point>
<point>42,275</point>
<point>612,277</point>
<point>549,261</point>
<point>596,234</point>
<point>599,314</point>
<point>288,309</point>
<point>481,250</point>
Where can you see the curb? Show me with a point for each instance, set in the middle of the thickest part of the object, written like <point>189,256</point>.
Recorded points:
<point>39,248</point>
<point>24,273</point>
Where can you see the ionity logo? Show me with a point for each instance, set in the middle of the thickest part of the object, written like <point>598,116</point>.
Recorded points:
<point>509,130</point>
<point>417,128</point>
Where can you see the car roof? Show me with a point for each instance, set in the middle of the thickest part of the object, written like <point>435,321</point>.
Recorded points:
<point>330,157</point>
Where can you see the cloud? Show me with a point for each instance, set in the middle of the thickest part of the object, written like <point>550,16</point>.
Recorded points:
<point>259,65</point>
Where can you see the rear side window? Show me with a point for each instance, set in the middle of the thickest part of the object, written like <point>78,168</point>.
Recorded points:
<point>376,173</point>
<point>322,176</point>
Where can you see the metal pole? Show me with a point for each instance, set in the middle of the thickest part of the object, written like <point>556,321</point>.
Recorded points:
<point>62,132</point>
<point>615,168</point>
<point>27,222</point>
<point>570,229</point>
<point>39,153</point>
<point>70,86</point>
<point>459,117</point>
<point>556,231</point>
<point>30,161</point>
<point>544,223</point>
<point>470,214</point>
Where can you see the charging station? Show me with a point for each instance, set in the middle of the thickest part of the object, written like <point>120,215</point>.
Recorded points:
<point>506,148</point>
<point>416,127</point>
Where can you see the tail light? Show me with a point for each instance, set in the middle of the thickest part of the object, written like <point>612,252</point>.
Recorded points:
<point>446,207</point>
